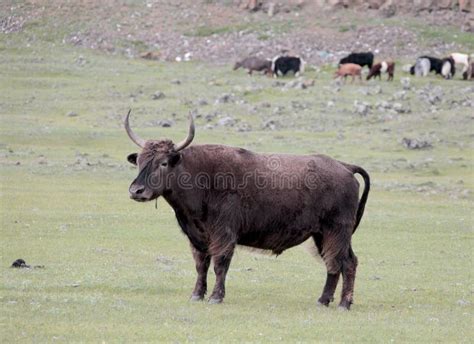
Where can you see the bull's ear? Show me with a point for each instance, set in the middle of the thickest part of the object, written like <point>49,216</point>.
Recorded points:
<point>173,158</point>
<point>132,158</point>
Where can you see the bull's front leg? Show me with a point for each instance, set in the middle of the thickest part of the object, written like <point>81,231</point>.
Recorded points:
<point>203,261</point>
<point>221,266</point>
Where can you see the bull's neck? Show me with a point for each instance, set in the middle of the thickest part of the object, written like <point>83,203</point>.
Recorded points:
<point>182,186</point>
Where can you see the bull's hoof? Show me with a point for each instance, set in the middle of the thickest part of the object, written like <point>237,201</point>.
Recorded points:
<point>195,298</point>
<point>344,306</point>
<point>213,301</point>
<point>322,303</point>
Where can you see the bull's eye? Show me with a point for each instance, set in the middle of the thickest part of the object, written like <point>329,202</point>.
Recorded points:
<point>164,164</point>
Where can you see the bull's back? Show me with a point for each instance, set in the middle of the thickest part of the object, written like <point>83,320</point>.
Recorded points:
<point>255,63</point>
<point>303,174</point>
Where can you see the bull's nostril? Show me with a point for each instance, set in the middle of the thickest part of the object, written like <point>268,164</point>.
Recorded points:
<point>137,189</point>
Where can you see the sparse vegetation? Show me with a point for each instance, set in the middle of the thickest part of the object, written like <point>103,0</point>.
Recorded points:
<point>205,31</point>
<point>345,28</point>
<point>255,26</point>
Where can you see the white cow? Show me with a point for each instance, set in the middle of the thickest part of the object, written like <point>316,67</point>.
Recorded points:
<point>462,59</point>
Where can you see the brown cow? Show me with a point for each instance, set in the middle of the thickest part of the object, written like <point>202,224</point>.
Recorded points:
<point>349,69</point>
<point>255,64</point>
<point>382,67</point>
<point>225,196</point>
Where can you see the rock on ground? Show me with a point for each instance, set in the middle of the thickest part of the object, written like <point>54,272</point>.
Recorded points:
<point>362,108</point>
<point>158,95</point>
<point>415,143</point>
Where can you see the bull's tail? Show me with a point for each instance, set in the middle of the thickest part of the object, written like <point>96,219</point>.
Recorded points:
<point>365,194</point>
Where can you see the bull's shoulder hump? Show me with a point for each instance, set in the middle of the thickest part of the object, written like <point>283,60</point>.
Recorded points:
<point>221,151</point>
<point>218,147</point>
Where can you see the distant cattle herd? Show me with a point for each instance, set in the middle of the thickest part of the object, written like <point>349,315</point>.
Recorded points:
<point>352,65</point>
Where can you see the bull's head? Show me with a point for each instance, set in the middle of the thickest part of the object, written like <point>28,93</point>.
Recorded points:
<point>155,163</point>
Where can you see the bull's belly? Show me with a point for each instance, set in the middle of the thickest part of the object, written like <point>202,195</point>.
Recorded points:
<point>275,240</point>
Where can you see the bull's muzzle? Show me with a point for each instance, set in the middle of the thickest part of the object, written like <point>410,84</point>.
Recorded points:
<point>139,193</point>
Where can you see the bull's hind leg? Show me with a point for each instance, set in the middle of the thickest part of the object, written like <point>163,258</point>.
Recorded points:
<point>349,267</point>
<point>334,247</point>
<point>329,289</point>
<point>324,245</point>
<point>203,261</point>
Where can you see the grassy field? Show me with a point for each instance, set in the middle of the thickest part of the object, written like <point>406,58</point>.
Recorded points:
<point>119,271</point>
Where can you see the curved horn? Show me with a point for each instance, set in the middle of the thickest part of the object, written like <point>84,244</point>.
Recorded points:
<point>138,141</point>
<point>186,142</point>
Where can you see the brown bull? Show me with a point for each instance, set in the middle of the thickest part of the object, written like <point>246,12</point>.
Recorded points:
<point>225,196</point>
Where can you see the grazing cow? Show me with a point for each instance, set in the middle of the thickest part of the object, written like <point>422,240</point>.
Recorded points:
<point>361,59</point>
<point>469,73</point>
<point>436,64</point>
<point>462,59</point>
<point>225,196</point>
<point>349,69</point>
<point>254,64</point>
<point>421,67</point>
<point>382,67</point>
<point>448,69</point>
<point>281,65</point>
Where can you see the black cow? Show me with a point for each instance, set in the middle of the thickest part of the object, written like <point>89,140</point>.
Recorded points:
<point>362,59</point>
<point>225,196</point>
<point>436,64</point>
<point>281,65</point>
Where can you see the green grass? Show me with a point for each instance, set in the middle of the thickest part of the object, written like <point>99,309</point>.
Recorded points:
<point>446,34</point>
<point>427,34</point>
<point>439,33</point>
<point>345,28</point>
<point>116,270</point>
